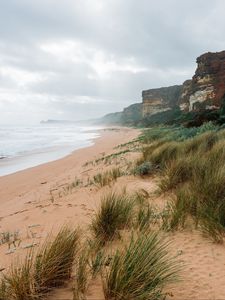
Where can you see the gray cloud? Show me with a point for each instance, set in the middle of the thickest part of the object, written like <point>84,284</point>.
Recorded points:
<point>84,58</point>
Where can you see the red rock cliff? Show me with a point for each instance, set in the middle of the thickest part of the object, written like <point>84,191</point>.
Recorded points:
<point>206,90</point>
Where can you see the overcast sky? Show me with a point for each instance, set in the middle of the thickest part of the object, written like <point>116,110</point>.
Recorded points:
<point>80,59</point>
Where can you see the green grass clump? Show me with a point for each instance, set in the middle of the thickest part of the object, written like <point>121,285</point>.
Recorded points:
<point>145,217</point>
<point>140,197</point>
<point>165,153</point>
<point>82,274</point>
<point>54,260</point>
<point>177,172</point>
<point>18,284</point>
<point>107,177</point>
<point>114,214</point>
<point>192,165</point>
<point>40,272</point>
<point>141,270</point>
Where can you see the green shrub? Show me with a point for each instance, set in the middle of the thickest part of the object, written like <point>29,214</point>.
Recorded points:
<point>145,168</point>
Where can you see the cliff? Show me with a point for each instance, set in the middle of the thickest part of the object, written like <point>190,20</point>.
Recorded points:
<point>204,94</point>
<point>206,90</point>
<point>160,100</point>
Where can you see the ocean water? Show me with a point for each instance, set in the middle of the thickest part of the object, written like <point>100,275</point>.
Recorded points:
<point>22,147</point>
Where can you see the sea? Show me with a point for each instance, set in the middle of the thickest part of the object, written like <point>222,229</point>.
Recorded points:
<point>22,147</point>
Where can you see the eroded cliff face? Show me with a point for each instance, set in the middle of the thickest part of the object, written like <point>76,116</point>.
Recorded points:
<point>206,90</point>
<point>159,100</point>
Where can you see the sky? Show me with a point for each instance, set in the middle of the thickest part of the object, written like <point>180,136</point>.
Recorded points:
<point>81,59</point>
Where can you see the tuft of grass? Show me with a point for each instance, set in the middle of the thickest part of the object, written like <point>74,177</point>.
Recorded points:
<point>177,172</point>
<point>101,179</point>
<point>145,217</point>
<point>114,214</point>
<point>106,178</point>
<point>82,275</point>
<point>18,284</point>
<point>50,267</point>
<point>97,261</point>
<point>10,238</point>
<point>96,257</point>
<point>165,153</point>
<point>141,270</point>
<point>55,259</point>
<point>211,228</point>
<point>140,197</point>
<point>3,290</point>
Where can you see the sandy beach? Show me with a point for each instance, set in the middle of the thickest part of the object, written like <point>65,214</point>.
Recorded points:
<point>39,200</point>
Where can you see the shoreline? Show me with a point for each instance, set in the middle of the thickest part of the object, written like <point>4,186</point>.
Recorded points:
<point>39,201</point>
<point>39,179</point>
<point>34,202</point>
<point>36,157</point>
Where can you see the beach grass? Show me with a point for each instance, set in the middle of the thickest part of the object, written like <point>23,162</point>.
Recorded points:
<point>54,260</point>
<point>107,177</point>
<point>191,164</point>
<point>19,283</point>
<point>140,270</point>
<point>114,214</point>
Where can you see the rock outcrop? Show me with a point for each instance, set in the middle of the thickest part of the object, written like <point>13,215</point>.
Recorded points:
<point>206,90</point>
<point>161,99</point>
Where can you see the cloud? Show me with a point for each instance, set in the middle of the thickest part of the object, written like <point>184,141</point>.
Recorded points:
<point>81,59</point>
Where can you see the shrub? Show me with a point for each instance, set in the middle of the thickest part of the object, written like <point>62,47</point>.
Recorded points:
<point>141,270</point>
<point>145,168</point>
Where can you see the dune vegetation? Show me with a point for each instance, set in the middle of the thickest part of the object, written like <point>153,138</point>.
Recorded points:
<point>191,166</point>
<point>138,266</point>
<point>126,246</point>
